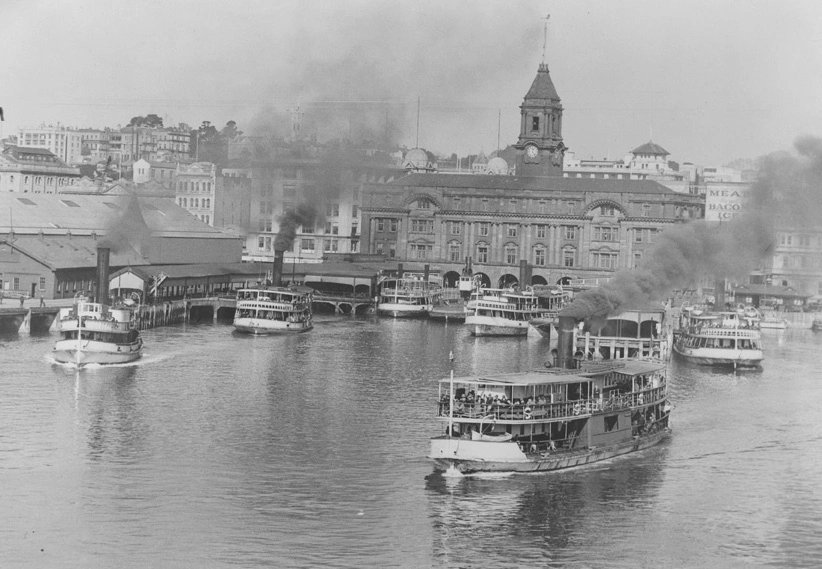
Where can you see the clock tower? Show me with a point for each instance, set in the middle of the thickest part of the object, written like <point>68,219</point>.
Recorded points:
<point>540,149</point>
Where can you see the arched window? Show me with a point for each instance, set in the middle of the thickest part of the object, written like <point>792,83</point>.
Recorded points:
<point>539,256</point>
<point>569,257</point>
<point>483,251</point>
<point>454,251</point>
<point>511,254</point>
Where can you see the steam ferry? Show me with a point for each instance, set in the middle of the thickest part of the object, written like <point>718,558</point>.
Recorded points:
<point>580,412</point>
<point>95,333</point>
<point>408,296</point>
<point>719,338</point>
<point>505,312</point>
<point>273,310</point>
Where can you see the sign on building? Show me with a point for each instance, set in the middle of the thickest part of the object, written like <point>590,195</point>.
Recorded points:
<point>723,202</point>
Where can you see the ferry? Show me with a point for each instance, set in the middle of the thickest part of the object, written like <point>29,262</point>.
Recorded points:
<point>551,419</point>
<point>95,333</point>
<point>273,310</point>
<point>719,338</point>
<point>409,296</point>
<point>772,321</point>
<point>504,312</point>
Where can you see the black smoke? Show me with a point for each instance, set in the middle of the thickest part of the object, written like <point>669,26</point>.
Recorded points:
<point>787,194</point>
<point>305,214</point>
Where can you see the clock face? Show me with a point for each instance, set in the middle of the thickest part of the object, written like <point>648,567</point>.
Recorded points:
<point>531,151</point>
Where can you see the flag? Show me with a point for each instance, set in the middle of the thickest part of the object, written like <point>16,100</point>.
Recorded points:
<point>1,114</point>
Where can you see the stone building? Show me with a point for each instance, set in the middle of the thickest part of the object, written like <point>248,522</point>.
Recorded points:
<point>34,170</point>
<point>563,228</point>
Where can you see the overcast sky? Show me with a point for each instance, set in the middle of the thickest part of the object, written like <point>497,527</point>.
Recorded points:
<point>710,80</point>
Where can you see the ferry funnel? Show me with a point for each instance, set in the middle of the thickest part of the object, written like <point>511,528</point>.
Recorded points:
<point>277,269</point>
<point>103,262</point>
<point>565,342</point>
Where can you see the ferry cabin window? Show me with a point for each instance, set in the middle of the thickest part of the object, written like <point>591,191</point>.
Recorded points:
<point>611,423</point>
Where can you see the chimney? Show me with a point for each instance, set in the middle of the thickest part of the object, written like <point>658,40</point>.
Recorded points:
<point>277,269</point>
<point>103,259</point>
<point>524,274</point>
<point>719,294</point>
<point>565,342</point>
<point>425,273</point>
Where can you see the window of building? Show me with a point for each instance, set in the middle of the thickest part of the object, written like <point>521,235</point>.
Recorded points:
<point>608,210</point>
<point>380,249</point>
<point>569,256</point>
<point>307,245</point>
<point>605,233</point>
<point>604,260</point>
<point>644,235</point>
<point>543,206</point>
<point>332,210</point>
<point>454,227</point>
<point>393,225</point>
<point>570,232</point>
<point>354,210</point>
<point>570,207</point>
<point>454,251</point>
<point>420,250</point>
<point>534,124</point>
<point>646,210</point>
<point>355,246</point>
<point>482,253</point>
<point>483,229</point>
<point>511,256</point>
<point>484,204</point>
<point>637,258</point>
<point>392,249</point>
<point>42,283</point>
<point>422,226</point>
<point>512,205</point>
<point>539,257</point>
<point>380,225</point>
<point>424,203</point>
<point>511,229</point>
<point>541,231</point>
<point>457,203</point>
<point>804,241</point>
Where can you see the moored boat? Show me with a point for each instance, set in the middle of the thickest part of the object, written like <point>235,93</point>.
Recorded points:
<point>95,333</point>
<point>409,296</point>
<point>816,325</point>
<point>554,418</point>
<point>772,321</point>
<point>506,312</point>
<point>719,338</point>
<point>273,310</point>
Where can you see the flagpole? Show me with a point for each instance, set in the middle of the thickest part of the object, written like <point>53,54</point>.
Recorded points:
<point>451,398</point>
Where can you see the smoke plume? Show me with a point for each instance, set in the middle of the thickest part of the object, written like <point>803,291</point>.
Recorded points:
<point>304,214</point>
<point>127,230</point>
<point>787,195</point>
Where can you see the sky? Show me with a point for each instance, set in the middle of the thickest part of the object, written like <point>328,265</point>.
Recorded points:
<point>709,80</point>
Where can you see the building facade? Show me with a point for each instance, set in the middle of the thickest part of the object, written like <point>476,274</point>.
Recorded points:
<point>34,170</point>
<point>563,228</point>
<point>196,189</point>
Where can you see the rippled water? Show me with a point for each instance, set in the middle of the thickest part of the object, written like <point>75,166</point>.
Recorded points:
<point>219,450</point>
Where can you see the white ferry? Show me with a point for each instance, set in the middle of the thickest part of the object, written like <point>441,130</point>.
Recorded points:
<point>504,312</point>
<point>276,310</point>
<point>95,333</point>
<point>772,321</point>
<point>719,338</point>
<point>409,296</point>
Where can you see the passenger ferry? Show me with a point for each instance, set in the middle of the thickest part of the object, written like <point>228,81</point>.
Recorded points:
<point>95,333</point>
<point>409,296</point>
<point>772,321</point>
<point>273,310</point>
<point>719,338</point>
<point>504,312</point>
<point>551,419</point>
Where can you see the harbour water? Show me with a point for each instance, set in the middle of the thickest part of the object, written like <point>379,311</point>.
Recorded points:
<point>220,450</point>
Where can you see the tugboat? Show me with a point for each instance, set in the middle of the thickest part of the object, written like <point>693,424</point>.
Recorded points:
<point>96,332</point>
<point>576,412</point>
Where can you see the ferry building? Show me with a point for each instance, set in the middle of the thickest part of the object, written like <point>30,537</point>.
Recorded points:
<point>533,227</point>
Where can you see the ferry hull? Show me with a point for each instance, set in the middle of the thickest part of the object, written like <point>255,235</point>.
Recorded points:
<point>720,357</point>
<point>482,457</point>
<point>267,327</point>
<point>480,326</point>
<point>404,310</point>
<point>85,352</point>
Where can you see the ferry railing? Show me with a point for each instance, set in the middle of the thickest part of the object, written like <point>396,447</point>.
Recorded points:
<point>560,410</point>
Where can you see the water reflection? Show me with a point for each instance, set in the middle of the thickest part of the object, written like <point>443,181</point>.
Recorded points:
<point>550,519</point>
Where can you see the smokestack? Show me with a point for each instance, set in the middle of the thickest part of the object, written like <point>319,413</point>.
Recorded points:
<point>103,259</point>
<point>565,342</point>
<point>524,274</point>
<point>425,273</point>
<point>719,294</point>
<point>399,270</point>
<point>277,268</point>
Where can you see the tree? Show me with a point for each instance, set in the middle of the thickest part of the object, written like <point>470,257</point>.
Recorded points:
<point>151,120</point>
<point>230,131</point>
